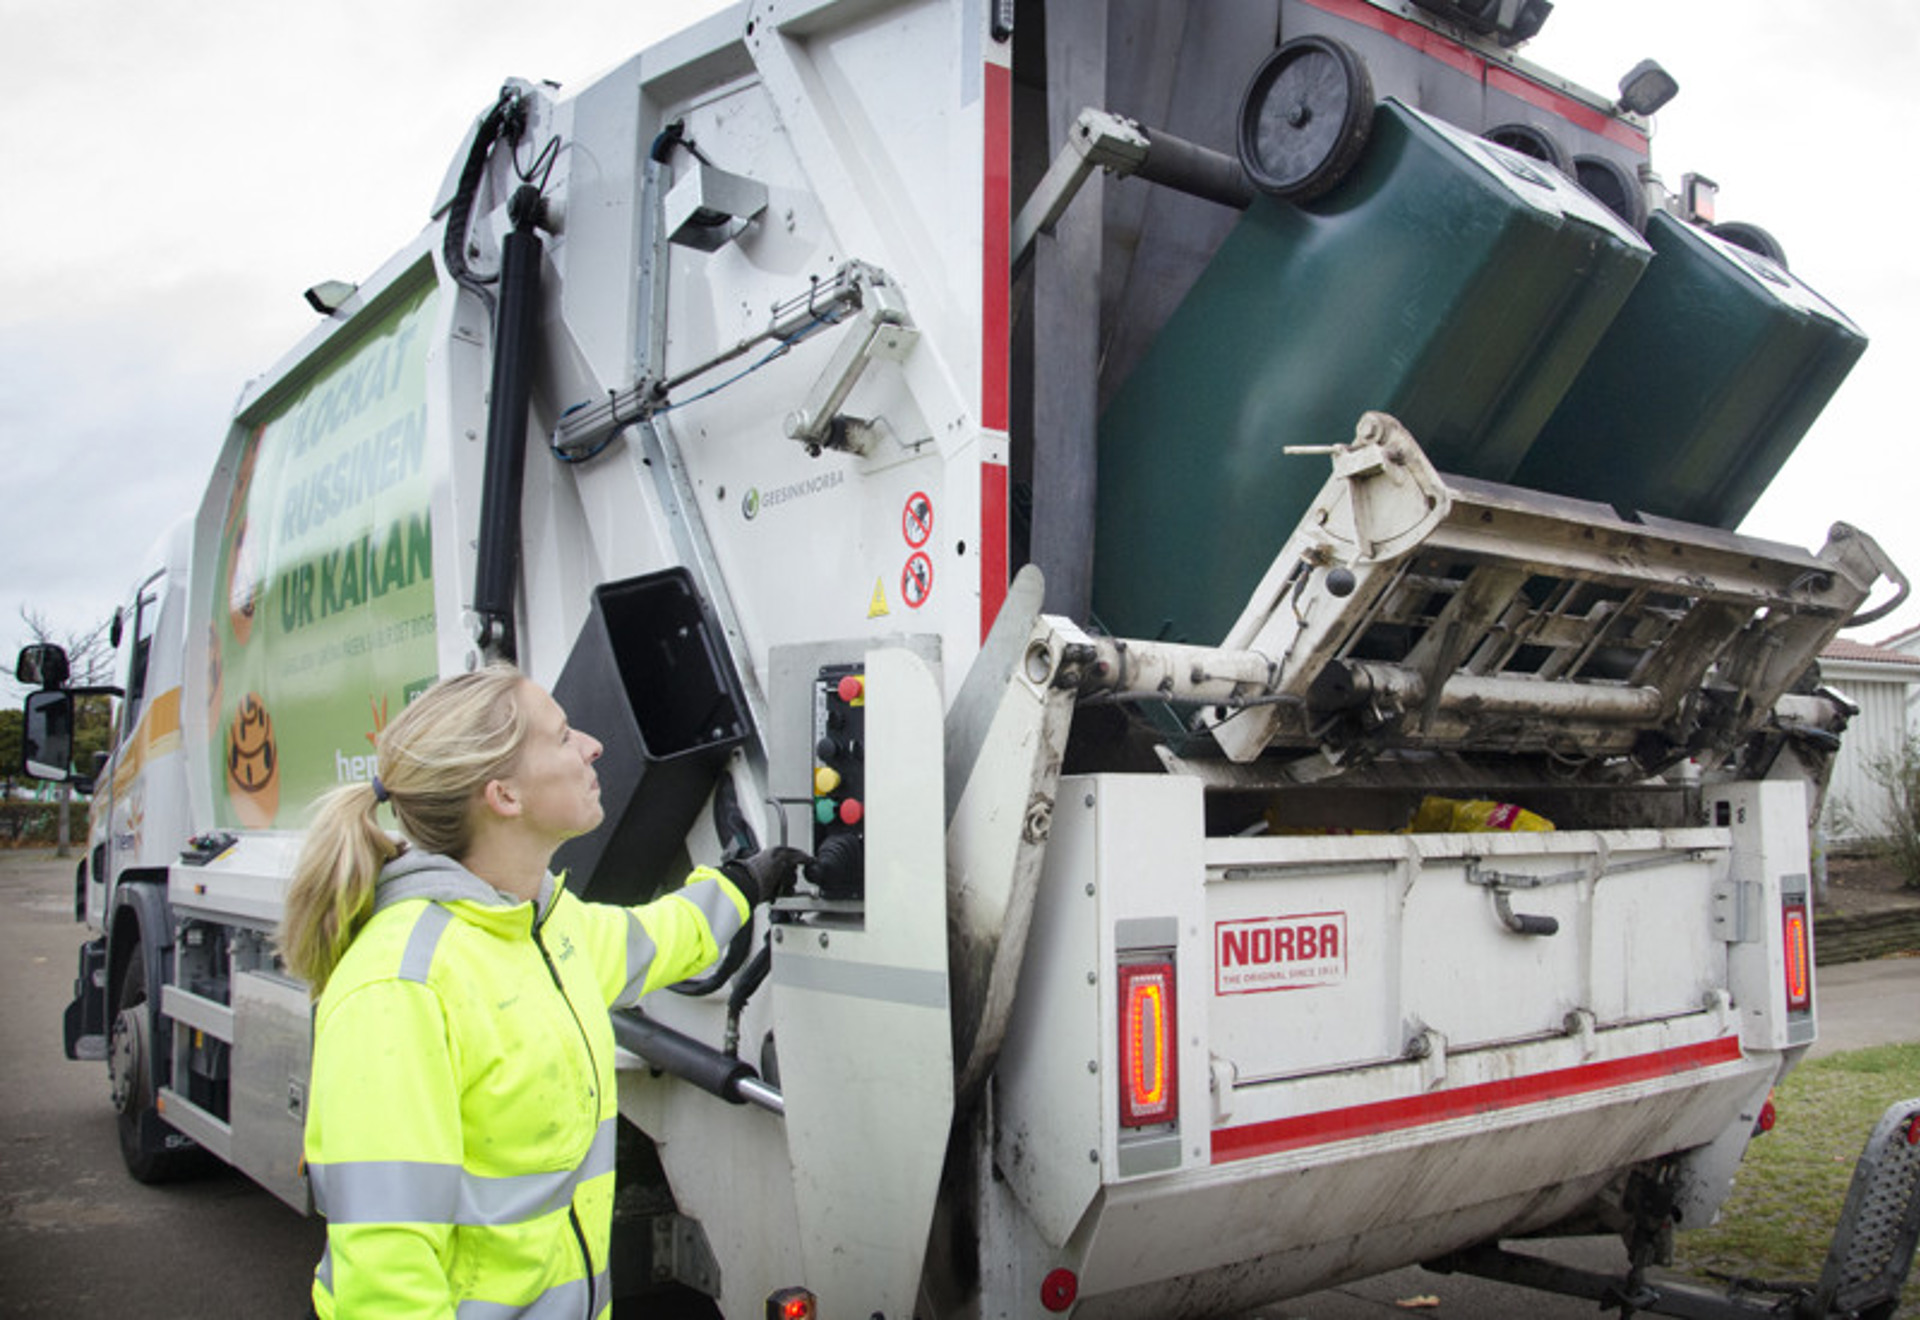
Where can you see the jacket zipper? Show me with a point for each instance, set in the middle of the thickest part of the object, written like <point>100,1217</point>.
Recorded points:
<point>593,1073</point>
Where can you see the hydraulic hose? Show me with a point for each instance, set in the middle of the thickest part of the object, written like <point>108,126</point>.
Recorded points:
<point>507,115</point>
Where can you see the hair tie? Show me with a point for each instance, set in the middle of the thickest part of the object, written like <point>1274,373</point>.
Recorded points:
<point>380,793</point>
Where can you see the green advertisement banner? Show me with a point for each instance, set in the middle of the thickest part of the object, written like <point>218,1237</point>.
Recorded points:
<point>326,564</point>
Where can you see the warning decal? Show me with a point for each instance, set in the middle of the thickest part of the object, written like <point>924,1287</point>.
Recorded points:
<point>916,520</point>
<point>1279,953</point>
<point>916,580</point>
<point>877,607</point>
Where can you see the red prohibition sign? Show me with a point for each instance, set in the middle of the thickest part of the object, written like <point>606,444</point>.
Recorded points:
<point>916,520</point>
<point>916,579</point>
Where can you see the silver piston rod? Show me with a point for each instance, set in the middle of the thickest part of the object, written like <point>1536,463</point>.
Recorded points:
<point>1062,655</point>
<point>1204,675</point>
<point>1345,684</point>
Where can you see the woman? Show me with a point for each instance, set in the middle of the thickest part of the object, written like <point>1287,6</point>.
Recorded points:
<point>460,1122</point>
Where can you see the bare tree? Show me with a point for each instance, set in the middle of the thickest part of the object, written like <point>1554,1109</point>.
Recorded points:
<point>89,653</point>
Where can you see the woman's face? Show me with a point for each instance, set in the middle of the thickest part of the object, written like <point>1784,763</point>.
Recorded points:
<point>554,779</point>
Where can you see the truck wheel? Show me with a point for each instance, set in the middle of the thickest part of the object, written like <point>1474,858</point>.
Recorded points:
<point>152,1151</point>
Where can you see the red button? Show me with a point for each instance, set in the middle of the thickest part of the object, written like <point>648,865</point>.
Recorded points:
<point>852,688</point>
<point>851,811</point>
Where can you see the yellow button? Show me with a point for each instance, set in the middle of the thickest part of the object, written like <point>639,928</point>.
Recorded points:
<point>825,780</point>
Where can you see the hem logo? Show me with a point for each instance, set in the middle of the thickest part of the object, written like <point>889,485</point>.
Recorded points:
<point>1279,953</point>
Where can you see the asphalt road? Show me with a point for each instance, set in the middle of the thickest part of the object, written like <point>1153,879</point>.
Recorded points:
<point>80,1238</point>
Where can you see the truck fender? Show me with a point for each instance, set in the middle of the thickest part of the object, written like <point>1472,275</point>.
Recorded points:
<point>141,917</point>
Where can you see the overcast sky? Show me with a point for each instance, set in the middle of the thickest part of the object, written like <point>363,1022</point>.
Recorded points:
<point>181,171</point>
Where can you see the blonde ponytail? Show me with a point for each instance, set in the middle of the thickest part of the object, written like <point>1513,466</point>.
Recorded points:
<point>434,759</point>
<point>331,896</point>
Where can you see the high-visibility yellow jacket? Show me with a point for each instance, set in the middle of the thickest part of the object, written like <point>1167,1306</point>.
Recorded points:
<point>460,1122</point>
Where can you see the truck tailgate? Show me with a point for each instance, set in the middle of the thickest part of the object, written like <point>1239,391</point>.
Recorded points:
<point>1336,953</point>
<point>1366,1064</point>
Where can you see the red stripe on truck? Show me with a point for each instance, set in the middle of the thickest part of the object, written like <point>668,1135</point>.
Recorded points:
<point>996,243</point>
<point>996,265</point>
<point>1574,112</point>
<point>1329,1126</point>
<point>1435,46</point>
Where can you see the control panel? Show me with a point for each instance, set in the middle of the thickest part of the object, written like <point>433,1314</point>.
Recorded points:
<point>839,781</point>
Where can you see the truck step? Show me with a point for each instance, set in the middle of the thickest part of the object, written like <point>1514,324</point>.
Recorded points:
<point>1880,1224</point>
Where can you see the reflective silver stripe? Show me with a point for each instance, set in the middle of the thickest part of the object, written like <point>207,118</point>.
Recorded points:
<point>412,1192</point>
<point>640,952</point>
<point>325,1272</point>
<point>417,961</point>
<point>716,905</point>
<point>563,1301</point>
<point>863,980</point>
<point>386,1191</point>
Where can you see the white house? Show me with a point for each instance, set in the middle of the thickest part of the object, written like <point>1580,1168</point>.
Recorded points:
<point>1908,643</point>
<point>1883,682</point>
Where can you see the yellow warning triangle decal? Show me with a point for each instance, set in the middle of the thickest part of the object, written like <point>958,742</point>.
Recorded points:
<point>878,605</point>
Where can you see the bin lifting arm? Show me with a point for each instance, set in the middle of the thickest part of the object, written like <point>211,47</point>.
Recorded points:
<point>1413,609</point>
<point>1105,141</point>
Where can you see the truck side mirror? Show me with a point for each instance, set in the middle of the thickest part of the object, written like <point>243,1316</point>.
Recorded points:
<point>42,663</point>
<point>46,744</point>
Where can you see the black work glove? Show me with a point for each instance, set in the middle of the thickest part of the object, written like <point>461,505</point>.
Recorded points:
<point>765,875</point>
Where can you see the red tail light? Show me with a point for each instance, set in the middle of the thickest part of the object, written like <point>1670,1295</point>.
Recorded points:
<point>791,1304</point>
<point>1799,941</point>
<point>1149,1046</point>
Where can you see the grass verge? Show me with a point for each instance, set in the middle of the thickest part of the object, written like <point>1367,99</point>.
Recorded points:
<point>1788,1193</point>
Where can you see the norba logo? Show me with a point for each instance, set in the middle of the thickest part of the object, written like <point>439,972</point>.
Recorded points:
<point>1280,953</point>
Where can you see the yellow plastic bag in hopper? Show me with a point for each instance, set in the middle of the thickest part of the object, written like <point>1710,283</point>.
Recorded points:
<point>1442,815</point>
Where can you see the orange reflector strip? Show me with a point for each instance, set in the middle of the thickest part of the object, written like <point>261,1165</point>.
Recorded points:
<point>1799,957</point>
<point>1149,1065</point>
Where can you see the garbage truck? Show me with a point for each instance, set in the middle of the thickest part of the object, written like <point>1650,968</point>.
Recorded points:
<point>1213,526</point>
